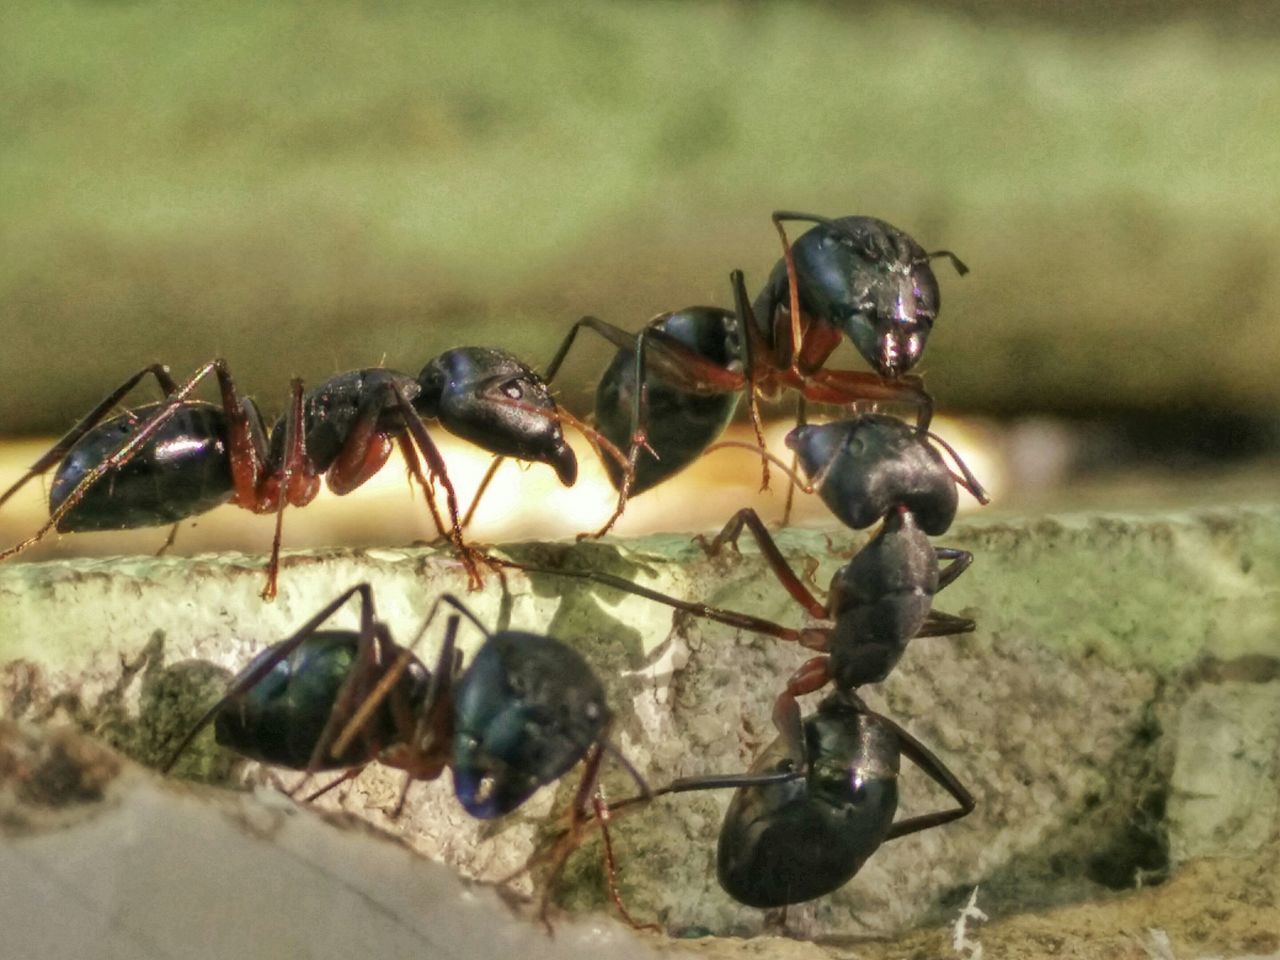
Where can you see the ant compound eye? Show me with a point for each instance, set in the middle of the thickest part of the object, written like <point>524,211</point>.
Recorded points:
<point>513,390</point>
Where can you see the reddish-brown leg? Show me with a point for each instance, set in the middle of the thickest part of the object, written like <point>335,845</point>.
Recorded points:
<point>845,387</point>
<point>572,838</point>
<point>813,675</point>
<point>611,866</point>
<point>437,471</point>
<point>294,482</point>
<point>480,490</point>
<point>750,520</point>
<point>410,454</point>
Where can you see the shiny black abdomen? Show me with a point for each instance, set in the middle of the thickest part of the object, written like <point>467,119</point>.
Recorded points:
<point>183,470</point>
<point>681,423</point>
<point>281,718</point>
<point>790,842</point>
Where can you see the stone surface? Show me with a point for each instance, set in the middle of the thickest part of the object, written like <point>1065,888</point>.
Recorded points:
<point>1223,799</point>
<point>133,867</point>
<point>1100,640</point>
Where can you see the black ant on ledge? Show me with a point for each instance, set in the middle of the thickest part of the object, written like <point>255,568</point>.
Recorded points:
<point>165,461</point>
<point>520,715</point>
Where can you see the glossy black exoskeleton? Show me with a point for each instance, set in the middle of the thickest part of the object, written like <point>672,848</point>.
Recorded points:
<point>163,462</point>
<point>681,422</point>
<point>520,715</point>
<point>668,393</point>
<point>818,802</point>
<point>672,387</point>
<point>527,708</point>
<point>184,471</point>
<point>166,461</point>
<point>292,704</point>
<point>491,399</point>
<point>865,466</point>
<point>866,469</point>
<point>856,276</point>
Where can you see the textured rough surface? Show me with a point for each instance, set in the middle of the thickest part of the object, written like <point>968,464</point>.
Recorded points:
<point>133,867</point>
<point>1072,712</point>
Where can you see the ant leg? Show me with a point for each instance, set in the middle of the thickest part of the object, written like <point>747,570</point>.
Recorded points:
<point>845,387</point>
<point>337,781</point>
<point>484,485</point>
<point>169,540</point>
<point>419,727</point>
<point>569,841</point>
<point>960,560</point>
<point>965,477</point>
<point>813,675</point>
<point>938,772</point>
<point>436,469</point>
<point>801,419</point>
<point>747,337</point>
<point>611,866</point>
<point>254,675</point>
<point>793,284</point>
<point>939,624</point>
<point>639,435</point>
<point>410,454</point>
<point>748,518</point>
<point>294,481</point>
<point>814,637</point>
<point>90,420</point>
<point>615,335</point>
<point>956,262</point>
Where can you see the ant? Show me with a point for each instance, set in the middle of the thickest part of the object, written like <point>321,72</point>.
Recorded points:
<point>817,802</point>
<point>166,461</point>
<point>867,468</point>
<point>673,387</point>
<point>525,710</point>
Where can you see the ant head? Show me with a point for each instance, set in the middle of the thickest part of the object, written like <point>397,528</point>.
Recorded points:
<point>526,710</point>
<point>890,319</point>
<point>498,403</point>
<point>867,465</point>
<point>874,283</point>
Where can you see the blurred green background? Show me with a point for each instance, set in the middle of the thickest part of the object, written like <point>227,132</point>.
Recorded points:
<point>305,188</point>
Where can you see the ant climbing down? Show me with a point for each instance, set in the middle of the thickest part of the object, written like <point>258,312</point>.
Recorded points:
<point>865,469</point>
<point>817,802</point>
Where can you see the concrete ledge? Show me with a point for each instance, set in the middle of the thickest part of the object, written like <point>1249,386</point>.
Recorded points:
<point>1071,713</point>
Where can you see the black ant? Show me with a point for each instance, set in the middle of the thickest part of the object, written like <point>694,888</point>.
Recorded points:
<point>867,468</point>
<point>673,387</point>
<point>817,802</point>
<point>166,461</point>
<point>525,710</point>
